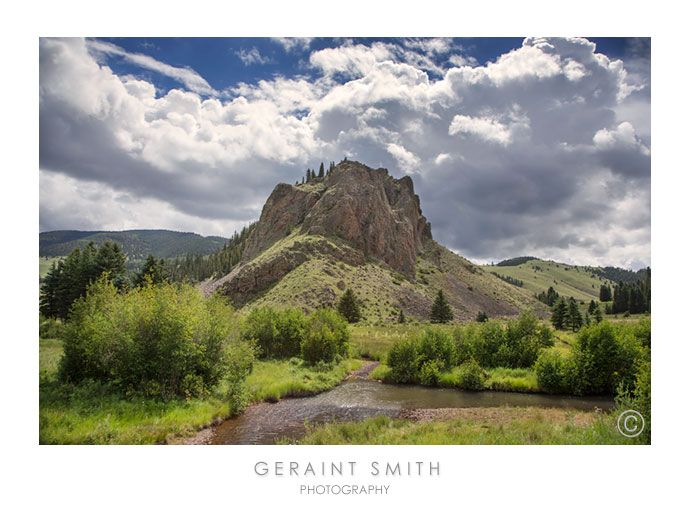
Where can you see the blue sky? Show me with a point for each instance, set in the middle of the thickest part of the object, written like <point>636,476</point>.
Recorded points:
<point>516,146</point>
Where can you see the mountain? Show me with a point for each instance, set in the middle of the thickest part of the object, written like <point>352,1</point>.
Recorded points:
<point>581,282</point>
<point>136,244</point>
<point>359,227</point>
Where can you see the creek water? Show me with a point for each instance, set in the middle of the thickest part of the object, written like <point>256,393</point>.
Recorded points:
<point>358,399</point>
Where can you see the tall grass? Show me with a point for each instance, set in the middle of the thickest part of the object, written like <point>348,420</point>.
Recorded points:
<point>274,379</point>
<point>534,430</point>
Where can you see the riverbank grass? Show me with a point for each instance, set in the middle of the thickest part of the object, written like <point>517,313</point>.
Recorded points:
<point>274,379</point>
<point>532,430</point>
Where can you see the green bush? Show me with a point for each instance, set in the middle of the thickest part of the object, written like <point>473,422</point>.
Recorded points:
<point>276,333</point>
<point>434,345</point>
<point>471,376</point>
<point>639,397</point>
<point>163,340</point>
<point>551,372</point>
<point>402,358</point>
<point>430,372</point>
<point>325,336</point>
<point>603,359</point>
<point>464,342</point>
<point>523,340</point>
<point>486,346</point>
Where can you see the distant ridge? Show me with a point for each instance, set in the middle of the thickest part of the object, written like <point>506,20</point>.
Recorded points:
<point>136,244</point>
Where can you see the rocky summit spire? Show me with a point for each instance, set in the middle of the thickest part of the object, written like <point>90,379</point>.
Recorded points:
<point>368,209</point>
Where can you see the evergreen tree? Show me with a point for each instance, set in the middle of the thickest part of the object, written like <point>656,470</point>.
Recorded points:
<point>321,172</point>
<point>308,175</point>
<point>402,318</point>
<point>312,175</point>
<point>481,317</point>
<point>348,306</point>
<point>605,294</point>
<point>574,316</point>
<point>559,317</point>
<point>153,271</point>
<point>441,312</point>
<point>548,297</point>
<point>597,314</point>
<point>592,307</point>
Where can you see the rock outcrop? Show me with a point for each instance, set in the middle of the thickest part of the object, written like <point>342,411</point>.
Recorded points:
<point>352,215</point>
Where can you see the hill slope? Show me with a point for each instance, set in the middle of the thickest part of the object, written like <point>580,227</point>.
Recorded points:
<point>360,228</point>
<point>537,275</point>
<point>136,244</point>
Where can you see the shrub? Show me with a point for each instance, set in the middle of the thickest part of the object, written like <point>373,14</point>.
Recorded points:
<point>603,359</point>
<point>430,372</point>
<point>276,333</point>
<point>524,338</point>
<point>403,360</point>
<point>490,338</point>
<point>551,372</point>
<point>434,345</point>
<point>463,342</point>
<point>471,376</point>
<point>163,340</point>
<point>639,397</point>
<point>324,337</point>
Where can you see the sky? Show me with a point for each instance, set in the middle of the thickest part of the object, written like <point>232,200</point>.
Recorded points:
<point>516,146</point>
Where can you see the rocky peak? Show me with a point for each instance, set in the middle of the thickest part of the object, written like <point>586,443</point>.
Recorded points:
<point>366,208</point>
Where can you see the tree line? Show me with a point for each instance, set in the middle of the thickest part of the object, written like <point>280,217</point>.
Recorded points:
<point>195,268</point>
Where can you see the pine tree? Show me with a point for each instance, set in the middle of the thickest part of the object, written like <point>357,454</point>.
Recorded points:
<point>481,317</point>
<point>559,317</point>
<point>402,318</point>
<point>592,307</point>
<point>441,312</point>
<point>597,314</point>
<point>348,306</point>
<point>152,270</point>
<point>575,319</point>
<point>321,172</point>
<point>308,175</point>
<point>605,295</point>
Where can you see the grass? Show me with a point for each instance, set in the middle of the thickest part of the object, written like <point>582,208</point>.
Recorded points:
<point>539,275</point>
<point>94,413</point>
<point>44,265</point>
<point>373,342</point>
<point>535,429</point>
<point>274,379</point>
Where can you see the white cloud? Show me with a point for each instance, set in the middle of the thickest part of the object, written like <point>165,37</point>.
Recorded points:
<point>294,43</point>
<point>252,56</point>
<point>186,76</point>
<point>486,128</point>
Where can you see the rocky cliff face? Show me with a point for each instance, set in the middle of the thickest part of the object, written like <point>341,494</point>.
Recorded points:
<point>354,214</point>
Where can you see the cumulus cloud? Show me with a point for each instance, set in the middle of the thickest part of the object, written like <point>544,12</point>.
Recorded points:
<point>544,151</point>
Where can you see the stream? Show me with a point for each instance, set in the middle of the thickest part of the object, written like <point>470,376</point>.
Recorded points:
<point>357,399</point>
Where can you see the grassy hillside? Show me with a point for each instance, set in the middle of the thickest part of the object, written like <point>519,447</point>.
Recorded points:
<point>538,275</point>
<point>136,244</point>
<point>44,265</point>
<point>382,292</point>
